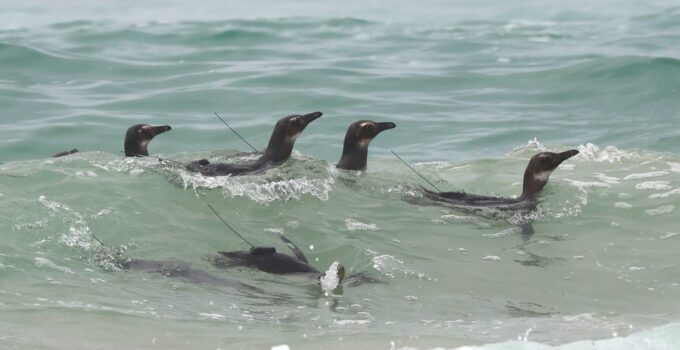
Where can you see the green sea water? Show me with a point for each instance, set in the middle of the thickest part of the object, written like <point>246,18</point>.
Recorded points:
<point>475,88</point>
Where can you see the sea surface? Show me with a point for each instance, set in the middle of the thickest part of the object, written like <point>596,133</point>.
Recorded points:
<point>475,87</point>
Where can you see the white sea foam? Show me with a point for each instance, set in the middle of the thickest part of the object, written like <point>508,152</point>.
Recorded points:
<point>675,167</point>
<point>351,322</point>
<point>507,232</point>
<point>391,266</point>
<point>653,185</point>
<point>662,210</point>
<point>638,176</point>
<point>607,179</point>
<point>622,205</point>
<point>211,316</point>
<point>464,219</point>
<point>45,263</point>
<point>353,225</point>
<point>280,347</point>
<point>587,184</point>
<point>668,194</point>
<point>331,279</point>
<point>609,154</point>
<point>79,234</point>
<point>661,338</point>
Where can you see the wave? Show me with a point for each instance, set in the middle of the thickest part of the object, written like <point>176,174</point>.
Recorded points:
<point>661,338</point>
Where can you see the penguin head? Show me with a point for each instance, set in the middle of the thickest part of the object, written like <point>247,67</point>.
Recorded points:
<point>539,169</point>
<point>294,125</point>
<point>138,136</point>
<point>363,131</point>
<point>359,136</point>
<point>285,133</point>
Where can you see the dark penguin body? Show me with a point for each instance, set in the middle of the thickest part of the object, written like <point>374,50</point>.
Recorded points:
<point>359,136</point>
<point>178,269</point>
<point>138,136</point>
<point>65,153</point>
<point>278,150</point>
<point>535,178</point>
<point>266,259</point>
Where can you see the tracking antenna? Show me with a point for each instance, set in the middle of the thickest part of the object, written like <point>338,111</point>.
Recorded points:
<point>231,228</point>
<point>417,173</point>
<point>97,239</point>
<point>237,134</point>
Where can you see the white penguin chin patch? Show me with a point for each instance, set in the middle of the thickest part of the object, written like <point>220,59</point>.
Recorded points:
<point>543,176</point>
<point>364,143</point>
<point>145,143</point>
<point>331,279</point>
<point>293,138</point>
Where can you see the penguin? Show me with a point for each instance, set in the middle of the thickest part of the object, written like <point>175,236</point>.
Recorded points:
<point>359,136</point>
<point>278,150</point>
<point>182,270</point>
<point>536,177</point>
<point>138,136</point>
<point>268,260</point>
<point>65,153</point>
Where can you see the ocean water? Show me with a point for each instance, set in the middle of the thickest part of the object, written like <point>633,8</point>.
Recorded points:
<point>475,88</point>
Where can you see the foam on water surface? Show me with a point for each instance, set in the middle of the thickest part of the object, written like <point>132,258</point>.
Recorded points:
<point>475,89</point>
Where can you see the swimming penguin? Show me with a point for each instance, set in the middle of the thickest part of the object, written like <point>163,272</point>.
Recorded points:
<point>535,178</point>
<point>65,153</point>
<point>175,269</point>
<point>359,136</point>
<point>178,269</point>
<point>268,260</point>
<point>138,136</point>
<point>278,150</point>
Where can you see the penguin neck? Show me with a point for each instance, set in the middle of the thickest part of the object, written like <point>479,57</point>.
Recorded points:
<point>534,183</point>
<point>134,148</point>
<point>279,149</point>
<point>354,155</point>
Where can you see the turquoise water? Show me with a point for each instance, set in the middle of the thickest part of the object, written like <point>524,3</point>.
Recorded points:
<point>475,88</point>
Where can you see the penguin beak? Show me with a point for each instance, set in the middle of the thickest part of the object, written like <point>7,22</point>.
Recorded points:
<point>311,117</point>
<point>157,130</point>
<point>385,126</point>
<point>567,154</point>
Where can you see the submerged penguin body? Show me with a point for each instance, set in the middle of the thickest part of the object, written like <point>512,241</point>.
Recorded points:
<point>535,178</point>
<point>267,259</point>
<point>181,270</point>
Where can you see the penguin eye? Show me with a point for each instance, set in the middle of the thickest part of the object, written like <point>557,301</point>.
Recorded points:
<point>370,128</point>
